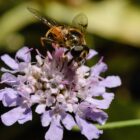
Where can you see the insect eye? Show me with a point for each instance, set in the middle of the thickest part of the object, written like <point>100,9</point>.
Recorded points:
<point>74,37</point>
<point>75,40</point>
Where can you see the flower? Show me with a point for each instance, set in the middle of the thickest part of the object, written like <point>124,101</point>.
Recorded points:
<point>65,94</point>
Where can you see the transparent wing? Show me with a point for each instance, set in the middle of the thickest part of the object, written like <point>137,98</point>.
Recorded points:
<point>49,22</point>
<point>80,21</point>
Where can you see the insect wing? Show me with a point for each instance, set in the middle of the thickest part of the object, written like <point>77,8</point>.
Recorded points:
<point>80,21</point>
<point>49,22</point>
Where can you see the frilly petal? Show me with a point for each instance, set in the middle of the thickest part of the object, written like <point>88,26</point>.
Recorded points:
<point>24,54</point>
<point>111,81</point>
<point>9,61</point>
<point>9,79</point>
<point>26,116</point>
<point>55,131</point>
<point>46,119</point>
<point>40,108</point>
<point>98,68</point>
<point>68,122</point>
<point>8,97</point>
<point>98,115</point>
<point>22,66</point>
<point>35,98</point>
<point>88,129</point>
<point>96,90</point>
<point>10,101</point>
<point>90,112</point>
<point>2,92</point>
<point>103,103</point>
<point>2,69</point>
<point>58,53</point>
<point>83,69</point>
<point>91,54</point>
<point>12,116</point>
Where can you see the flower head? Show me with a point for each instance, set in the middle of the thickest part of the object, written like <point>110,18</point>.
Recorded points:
<point>63,94</point>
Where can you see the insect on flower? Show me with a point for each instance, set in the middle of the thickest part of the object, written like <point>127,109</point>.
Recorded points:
<point>70,37</point>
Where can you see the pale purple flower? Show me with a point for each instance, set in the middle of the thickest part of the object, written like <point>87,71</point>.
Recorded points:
<point>63,94</point>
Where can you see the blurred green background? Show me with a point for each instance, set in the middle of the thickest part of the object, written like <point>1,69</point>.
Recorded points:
<point>113,30</point>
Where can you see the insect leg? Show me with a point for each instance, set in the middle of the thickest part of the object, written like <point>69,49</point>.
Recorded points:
<point>69,63</point>
<point>48,40</point>
<point>66,52</point>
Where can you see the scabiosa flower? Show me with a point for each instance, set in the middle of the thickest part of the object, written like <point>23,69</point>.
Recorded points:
<point>64,95</point>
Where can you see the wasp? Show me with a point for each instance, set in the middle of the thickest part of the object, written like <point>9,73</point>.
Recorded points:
<point>71,37</point>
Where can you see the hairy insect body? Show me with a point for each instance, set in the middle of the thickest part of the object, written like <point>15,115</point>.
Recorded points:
<point>72,38</point>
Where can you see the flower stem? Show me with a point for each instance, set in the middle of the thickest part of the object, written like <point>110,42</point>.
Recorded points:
<point>119,124</point>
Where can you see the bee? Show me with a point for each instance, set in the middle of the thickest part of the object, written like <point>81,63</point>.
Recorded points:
<point>70,37</point>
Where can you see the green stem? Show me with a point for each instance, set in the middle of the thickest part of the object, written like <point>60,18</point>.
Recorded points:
<point>119,124</point>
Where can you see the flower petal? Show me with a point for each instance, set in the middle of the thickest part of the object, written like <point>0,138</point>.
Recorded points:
<point>98,68</point>
<point>9,61</point>
<point>2,69</point>
<point>40,108</point>
<point>10,98</point>
<point>22,66</point>
<point>88,129</point>
<point>11,92</point>
<point>96,90</point>
<point>2,93</point>
<point>58,53</point>
<point>35,98</point>
<point>26,116</point>
<point>91,54</point>
<point>83,69</point>
<point>111,81</point>
<point>9,79</point>
<point>12,116</point>
<point>103,103</point>
<point>90,112</point>
<point>24,54</point>
<point>55,131</point>
<point>46,119</point>
<point>68,122</point>
<point>97,115</point>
